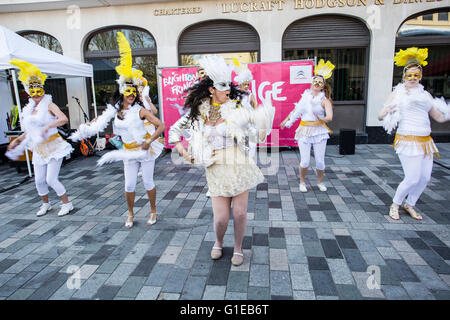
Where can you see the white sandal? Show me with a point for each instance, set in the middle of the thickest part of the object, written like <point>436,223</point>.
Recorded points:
<point>216,254</point>
<point>237,261</point>
<point>128,223</point>
<point>150,221</point>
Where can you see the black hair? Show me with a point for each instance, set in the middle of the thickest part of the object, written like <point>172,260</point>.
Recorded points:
<point>117,98</point>
<point>200,91</point>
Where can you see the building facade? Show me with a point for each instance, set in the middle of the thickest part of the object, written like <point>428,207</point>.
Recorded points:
<point>359,36</point>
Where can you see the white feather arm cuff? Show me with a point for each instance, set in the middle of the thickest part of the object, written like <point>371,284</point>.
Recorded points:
<point>262,117</point>
<point>87,130</point>
<point>442,106</point>
<point>19,150</point>
<point>390,120</point>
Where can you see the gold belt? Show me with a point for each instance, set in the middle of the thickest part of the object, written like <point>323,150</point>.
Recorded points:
<point>314,124</point>
<point>44,148</point>
<point>134,146</point>
<point>426,143</point>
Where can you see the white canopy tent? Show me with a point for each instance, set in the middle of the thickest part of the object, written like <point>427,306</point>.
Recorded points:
<point>51,63</point>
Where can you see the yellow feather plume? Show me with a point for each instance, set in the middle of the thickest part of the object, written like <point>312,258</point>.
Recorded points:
<point>27,71</point>
<point>236,62</point>
<point>126,61</point>
<point>324,69</point>
<point>411,55</point>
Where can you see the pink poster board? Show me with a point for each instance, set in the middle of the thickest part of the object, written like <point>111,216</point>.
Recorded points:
<point>284,81</point>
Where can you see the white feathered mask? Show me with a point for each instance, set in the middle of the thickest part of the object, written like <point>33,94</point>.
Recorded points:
<point>217,70</point>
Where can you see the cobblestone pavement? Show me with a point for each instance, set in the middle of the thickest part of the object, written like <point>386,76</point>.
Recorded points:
<point>297,246</point>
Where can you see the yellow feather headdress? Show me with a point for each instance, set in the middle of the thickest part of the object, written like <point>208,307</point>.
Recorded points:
<point>324,69</point>
<point>124,69</point>
<point>411,56</point>
<point>29,74</point>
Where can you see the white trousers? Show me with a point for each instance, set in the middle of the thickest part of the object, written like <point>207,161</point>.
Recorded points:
<point>130,171</point>
<point>319,153</point>
<point>47,175</point>
<point>417,171</point>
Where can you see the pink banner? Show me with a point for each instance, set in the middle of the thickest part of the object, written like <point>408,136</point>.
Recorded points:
<point>284,81</point>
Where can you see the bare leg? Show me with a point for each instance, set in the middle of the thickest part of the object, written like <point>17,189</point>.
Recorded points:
<point>240,203</point>
<point>320,176</point>
<point>64,198</point>
<point>221,211</point>
<point>129,196</point>
<point>45,198</point>
<point>152,197</point>
<point>303,172</point>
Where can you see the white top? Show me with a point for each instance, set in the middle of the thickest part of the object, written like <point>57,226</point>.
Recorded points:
<point>131,128</point>
<point>414,105</point>
<point>306,107</point>
<point>217,136</point>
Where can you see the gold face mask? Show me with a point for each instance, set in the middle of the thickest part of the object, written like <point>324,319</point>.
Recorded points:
<point>319,82</point>
<point>36,92</point>
<point>129,91</point>
<point>413,75</point>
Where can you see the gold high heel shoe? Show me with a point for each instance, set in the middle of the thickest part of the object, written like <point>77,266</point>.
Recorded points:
<point>393,212</point>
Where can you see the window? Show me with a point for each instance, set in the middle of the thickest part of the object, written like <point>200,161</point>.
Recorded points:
<point>443,16</point>
<point>427,17</point>
<point>230,39</point>
<point>348,80</point>
<point>102,52</point>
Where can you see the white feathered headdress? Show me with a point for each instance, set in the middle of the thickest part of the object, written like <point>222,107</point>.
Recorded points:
<point>217,70</point>
<point>243,73</point>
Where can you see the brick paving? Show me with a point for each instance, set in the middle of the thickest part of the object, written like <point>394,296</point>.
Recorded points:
<point>297,246</point>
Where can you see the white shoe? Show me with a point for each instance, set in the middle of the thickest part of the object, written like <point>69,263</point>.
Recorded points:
<point>322,187</point>
<point>303,187</point>
<point>43,209</point>
<point>140,174</point>
<point>208,194</point>
<point>65,209</point>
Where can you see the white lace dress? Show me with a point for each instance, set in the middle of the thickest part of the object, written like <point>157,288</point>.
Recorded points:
<point>233,172</point>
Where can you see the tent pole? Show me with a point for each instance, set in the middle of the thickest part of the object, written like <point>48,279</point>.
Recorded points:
<point>93,98</point>
<point>16,93</point>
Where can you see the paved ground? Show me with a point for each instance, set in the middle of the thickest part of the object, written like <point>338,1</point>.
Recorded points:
<point>297,246</point>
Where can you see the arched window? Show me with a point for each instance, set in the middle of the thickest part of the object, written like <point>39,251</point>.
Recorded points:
<point>345,42</point>
<point>102,52</point>
<point>228,38</point>
<point>55,87</point>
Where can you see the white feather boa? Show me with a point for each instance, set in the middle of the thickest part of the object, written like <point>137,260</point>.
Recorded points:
<point>402,99</point>
<point>33,133</point>
<point>87,130</point>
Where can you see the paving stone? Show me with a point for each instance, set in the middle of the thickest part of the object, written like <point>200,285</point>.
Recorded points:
<point>417,292</point>
<point>259,275</point>
<point>323,283</point>
<point>258,293</point>
<point>280,283</point>
<point>214,292</point>
<point>148,293</point>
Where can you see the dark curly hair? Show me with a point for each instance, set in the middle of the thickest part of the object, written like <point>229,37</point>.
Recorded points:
<point>200,91</point>
<point>117,98</point>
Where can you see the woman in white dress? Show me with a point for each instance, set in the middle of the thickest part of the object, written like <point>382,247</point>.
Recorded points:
<point>216,126</point>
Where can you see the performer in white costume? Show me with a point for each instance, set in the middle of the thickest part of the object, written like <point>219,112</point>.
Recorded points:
<point>140,148</point>
<point>40,119</point>
<point>315,109</point>
<point>216,126</point>
<point>408,108</point>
